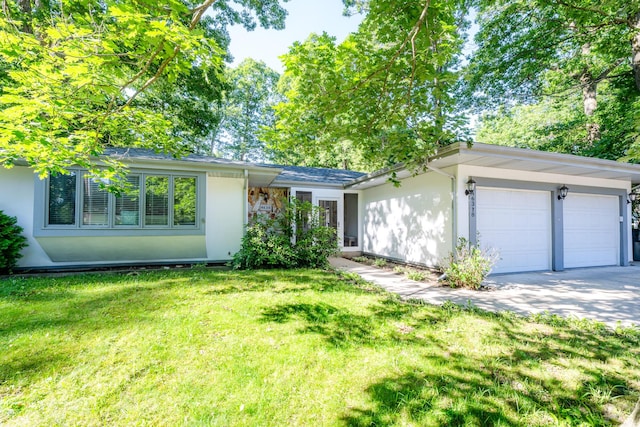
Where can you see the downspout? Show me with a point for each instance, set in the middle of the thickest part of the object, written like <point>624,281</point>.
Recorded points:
<point>454,198</point>
<point>245,202</point>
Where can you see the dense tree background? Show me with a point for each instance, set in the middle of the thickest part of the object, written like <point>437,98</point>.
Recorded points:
<point>558,76</point>
<point>247,112</point>
<point>78,75</point>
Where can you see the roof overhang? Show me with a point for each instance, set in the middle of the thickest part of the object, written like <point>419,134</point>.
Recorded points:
<point>500,157</point>
<point>258,176</point>
<point>304,184</point>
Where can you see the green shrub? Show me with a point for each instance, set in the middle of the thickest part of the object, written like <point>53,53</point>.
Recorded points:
<point>294,238</point>
<point>361,259</point>
<point>263,246</point>
<point>11,242</point>
<point>468,266</point>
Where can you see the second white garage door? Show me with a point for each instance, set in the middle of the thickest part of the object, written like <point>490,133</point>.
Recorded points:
<point>516,223</point>
<point>591,230</point>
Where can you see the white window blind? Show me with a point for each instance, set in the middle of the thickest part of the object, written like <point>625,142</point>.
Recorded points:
<point>95,203</point>
<point>128,203</point>
<point>156,200</point>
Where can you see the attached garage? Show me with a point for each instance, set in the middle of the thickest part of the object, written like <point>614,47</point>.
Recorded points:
<point>517,224</point>
<point>591,230</point>
<point>507,199</point>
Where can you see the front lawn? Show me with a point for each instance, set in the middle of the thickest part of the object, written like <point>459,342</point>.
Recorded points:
<point>280,348</point>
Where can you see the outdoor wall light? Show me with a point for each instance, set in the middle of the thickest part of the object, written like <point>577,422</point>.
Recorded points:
<point>563,191</point>
<point>631,197</point>
<point>471,187</point>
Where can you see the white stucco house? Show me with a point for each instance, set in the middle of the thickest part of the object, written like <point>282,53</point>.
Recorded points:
<point>194,209</point>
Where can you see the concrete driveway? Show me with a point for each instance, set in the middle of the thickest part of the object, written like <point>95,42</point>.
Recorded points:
<point>607,294</point>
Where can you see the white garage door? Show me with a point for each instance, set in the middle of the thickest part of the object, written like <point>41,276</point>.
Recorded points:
<point>516,223</point>
<point>591,230</point>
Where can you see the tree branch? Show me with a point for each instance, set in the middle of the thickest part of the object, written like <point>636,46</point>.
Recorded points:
<point>594,10</point>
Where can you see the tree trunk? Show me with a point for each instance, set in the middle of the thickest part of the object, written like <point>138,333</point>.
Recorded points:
<point>590,103</point>
<point>25,8</point>
<point>635,51</point>
<point>634,418</point>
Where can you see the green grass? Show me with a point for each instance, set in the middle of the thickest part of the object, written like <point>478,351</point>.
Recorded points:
<point>275,348</point>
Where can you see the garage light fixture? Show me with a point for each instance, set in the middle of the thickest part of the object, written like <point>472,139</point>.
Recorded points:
<point>471,187</point>
<point>631,197</point>
<point>563,191</point>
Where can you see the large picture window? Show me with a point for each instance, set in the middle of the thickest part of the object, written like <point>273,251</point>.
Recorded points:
<point>149,201</point>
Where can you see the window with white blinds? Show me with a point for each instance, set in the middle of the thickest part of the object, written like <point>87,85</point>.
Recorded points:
<point>95,202</point>
<point>148,201</point>
<point>156,210</point>
<point>127,210</point>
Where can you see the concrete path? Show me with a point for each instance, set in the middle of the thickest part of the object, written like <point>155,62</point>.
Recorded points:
<point>610,295</point>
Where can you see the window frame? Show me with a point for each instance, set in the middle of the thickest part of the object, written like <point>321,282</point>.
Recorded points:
<point>42,228</point>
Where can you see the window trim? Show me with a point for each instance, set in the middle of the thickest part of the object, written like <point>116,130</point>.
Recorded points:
<point>41,209</point>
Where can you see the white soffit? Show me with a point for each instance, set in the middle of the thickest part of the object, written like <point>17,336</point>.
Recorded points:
<point>262,179</point>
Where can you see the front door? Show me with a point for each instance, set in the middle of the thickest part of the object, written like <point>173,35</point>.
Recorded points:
<point>329,215</point>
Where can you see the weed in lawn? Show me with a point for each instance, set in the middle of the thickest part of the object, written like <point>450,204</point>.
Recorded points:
<point>398,269</point>
<point>416,275</point>
<point>380,262</point>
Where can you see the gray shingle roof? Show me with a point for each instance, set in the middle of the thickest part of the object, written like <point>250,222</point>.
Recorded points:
<point>303,174</point>
<point>145,154</point>
<point>289,174</point>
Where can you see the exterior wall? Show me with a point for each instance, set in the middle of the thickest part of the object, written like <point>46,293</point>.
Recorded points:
<point>577,183</point>
<point>226,212</point>
<point>74,250</point>
<point>411,223</point>
<point>17,199</point>
<point>225,202</point>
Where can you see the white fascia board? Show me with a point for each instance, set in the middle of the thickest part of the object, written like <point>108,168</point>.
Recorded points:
<point>631,172</point>
<point>288,184</point>
<point>559,159</point>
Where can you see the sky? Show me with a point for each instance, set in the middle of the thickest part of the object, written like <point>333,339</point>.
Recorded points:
<point>305,17</point>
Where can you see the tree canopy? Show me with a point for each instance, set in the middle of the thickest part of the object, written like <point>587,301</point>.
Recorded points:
<point>382,96</point>
<point>75,74</point>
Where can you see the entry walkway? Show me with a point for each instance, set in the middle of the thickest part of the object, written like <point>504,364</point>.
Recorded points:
<point>610,295</point>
